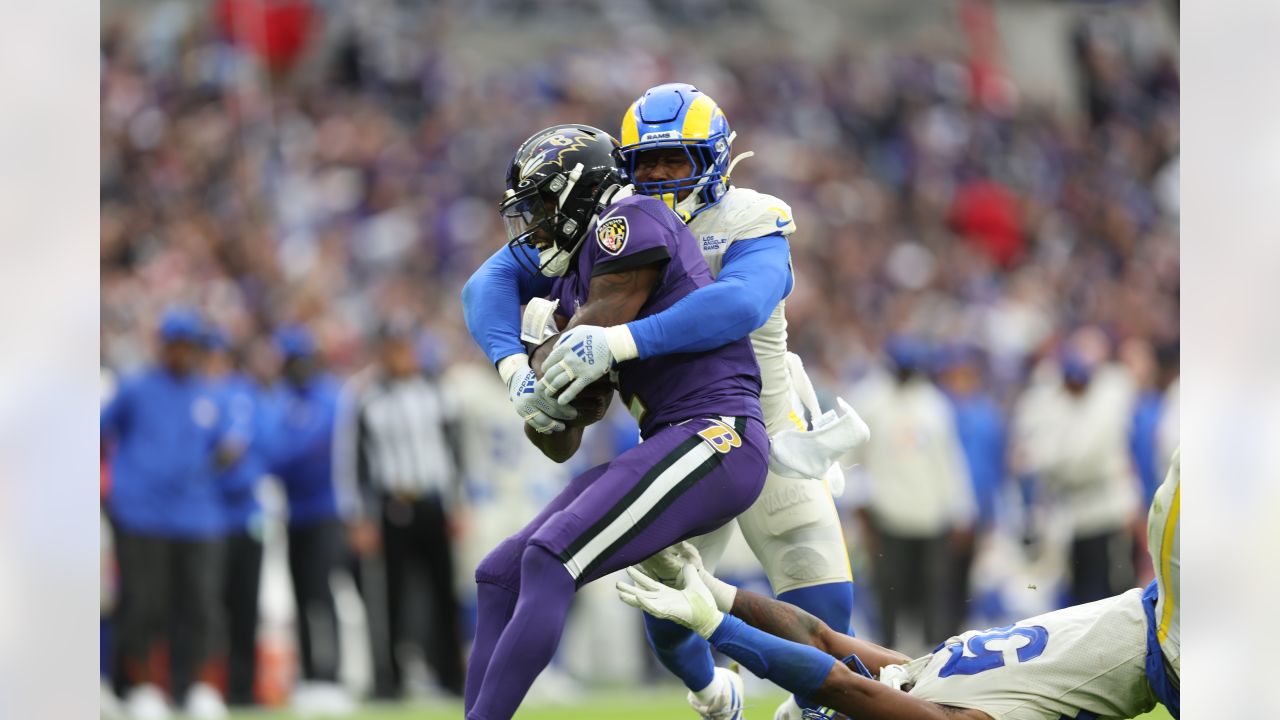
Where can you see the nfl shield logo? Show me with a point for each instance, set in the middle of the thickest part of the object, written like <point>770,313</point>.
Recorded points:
<point>612,235</point>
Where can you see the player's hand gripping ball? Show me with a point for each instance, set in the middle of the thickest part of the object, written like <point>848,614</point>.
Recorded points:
<point>592,403</point>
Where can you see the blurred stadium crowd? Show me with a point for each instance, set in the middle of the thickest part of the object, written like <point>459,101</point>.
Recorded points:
<point>330,168</point>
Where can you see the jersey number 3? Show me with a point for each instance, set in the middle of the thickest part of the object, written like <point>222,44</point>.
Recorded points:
<point>983,656</point>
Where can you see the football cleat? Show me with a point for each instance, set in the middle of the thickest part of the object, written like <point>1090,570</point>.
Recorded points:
<point>727,704</point>
<point>146,702</point>
<point>205,703</point>
<point>789,710</point>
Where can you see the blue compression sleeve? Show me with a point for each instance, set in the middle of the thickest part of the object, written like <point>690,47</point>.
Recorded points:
<point>755,277</point>
<point>794,667</point>
<point>491,301</point>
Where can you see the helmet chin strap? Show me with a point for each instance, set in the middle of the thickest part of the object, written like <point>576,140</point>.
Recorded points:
<point>558,260</point>
<point>735,161</point>
<point>613,194</point>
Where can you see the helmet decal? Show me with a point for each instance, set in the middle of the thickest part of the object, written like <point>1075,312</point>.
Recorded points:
<point>552,150</point>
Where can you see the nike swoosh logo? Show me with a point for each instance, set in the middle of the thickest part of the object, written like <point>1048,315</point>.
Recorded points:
<point>782,222</point>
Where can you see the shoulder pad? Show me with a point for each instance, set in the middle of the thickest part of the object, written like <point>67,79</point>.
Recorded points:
<point>748,214</point>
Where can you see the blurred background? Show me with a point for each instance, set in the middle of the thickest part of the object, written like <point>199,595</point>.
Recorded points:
<point>294,191</point>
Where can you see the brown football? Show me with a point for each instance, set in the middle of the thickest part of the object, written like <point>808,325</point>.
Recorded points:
<point>593,402</point>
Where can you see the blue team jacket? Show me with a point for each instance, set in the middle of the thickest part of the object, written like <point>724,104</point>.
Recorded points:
<point>301,452</point>
<point>163,431</point>
<point>253,416</point>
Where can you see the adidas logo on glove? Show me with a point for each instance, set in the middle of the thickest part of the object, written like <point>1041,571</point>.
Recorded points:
<point>584,352</point>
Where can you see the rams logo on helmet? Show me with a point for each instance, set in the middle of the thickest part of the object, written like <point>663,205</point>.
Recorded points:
<point>612,235</point>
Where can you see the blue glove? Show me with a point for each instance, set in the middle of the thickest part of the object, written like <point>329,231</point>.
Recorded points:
<point>583,355</point>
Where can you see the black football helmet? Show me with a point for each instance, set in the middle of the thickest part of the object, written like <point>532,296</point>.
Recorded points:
<point>554,188</point>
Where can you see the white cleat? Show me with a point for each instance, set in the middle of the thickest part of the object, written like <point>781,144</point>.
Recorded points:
<point>205,703</point>
<point>109,706</point>
<point>789,710</point>
<point>146,702</point>
<point>727,704</point>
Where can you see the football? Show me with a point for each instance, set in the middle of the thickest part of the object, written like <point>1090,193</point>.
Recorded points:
<point>592,403</point>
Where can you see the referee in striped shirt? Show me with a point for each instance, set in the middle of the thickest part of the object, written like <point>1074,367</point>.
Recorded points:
<point>403,475</point>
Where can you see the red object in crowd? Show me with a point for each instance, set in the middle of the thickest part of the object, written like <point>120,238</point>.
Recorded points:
<point>986,214</point>
<point>277,30</point>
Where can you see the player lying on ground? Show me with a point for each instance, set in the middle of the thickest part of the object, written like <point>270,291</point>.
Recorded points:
<point>677,148</point>
<point>613,257</point>
<point>1109,659</point>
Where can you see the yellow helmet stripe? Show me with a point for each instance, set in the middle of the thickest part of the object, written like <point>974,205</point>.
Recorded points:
<point>697,119</point>
<point>630,128</point>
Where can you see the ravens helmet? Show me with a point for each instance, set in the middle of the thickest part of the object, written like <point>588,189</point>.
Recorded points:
<point>554,188</point>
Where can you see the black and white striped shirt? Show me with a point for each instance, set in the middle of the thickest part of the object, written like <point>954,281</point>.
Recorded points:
<point>401,440</point>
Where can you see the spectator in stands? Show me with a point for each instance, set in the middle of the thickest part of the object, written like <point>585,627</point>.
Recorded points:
<point>164,426</point>
<point>302,457</point>
<point>920,504</point>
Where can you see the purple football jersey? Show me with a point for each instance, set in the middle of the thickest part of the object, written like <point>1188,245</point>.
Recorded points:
<point>666,389</point>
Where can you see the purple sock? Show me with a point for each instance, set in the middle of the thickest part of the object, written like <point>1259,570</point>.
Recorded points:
<point>530,639</point>
<point>494,607</point>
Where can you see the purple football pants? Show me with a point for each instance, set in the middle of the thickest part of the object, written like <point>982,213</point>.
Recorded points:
<point>684,481</point>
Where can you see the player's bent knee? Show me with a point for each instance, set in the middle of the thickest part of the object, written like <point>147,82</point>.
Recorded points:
<point>544,564</point>
<point>803,565</point>
<point>502,565</point>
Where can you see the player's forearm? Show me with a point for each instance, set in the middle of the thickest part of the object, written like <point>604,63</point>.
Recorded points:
<point>778,618</point>
<point>491,302</point>
<point>792,623</point>
<point>849,693</point>
<point>742,298</point>
<point>797,667</point>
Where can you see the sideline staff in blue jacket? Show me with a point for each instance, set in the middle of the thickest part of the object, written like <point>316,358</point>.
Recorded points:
<point>164,427</point>
<point>303,460</point>
<point>251,399</point>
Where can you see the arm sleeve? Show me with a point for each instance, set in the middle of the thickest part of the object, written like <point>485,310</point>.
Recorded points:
<point>491,302</point>
<point>756,276</point>
<point>792,666</point>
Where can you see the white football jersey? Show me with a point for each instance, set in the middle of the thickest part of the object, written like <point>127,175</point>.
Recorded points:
<point>1162,542</point>
<point>740,215</point>
<point>1085,660</point>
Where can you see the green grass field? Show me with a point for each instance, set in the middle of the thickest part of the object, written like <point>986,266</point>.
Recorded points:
<point>646,705</point>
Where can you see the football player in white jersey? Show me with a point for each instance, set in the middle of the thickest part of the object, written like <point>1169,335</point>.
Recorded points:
<point>1114,658</point>
<point>677,146</point>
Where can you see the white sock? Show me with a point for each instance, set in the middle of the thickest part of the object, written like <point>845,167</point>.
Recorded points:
<point>711,691</point>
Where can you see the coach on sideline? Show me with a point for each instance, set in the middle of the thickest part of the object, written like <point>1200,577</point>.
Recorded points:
<point>301,456</point>
<point>164,426</point>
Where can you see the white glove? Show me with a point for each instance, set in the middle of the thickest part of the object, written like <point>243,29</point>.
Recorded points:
<point>808,454</point>
<point>583,355</point>
<point>691,606</point>
<point>666,566</point>
<point>537,410</point>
